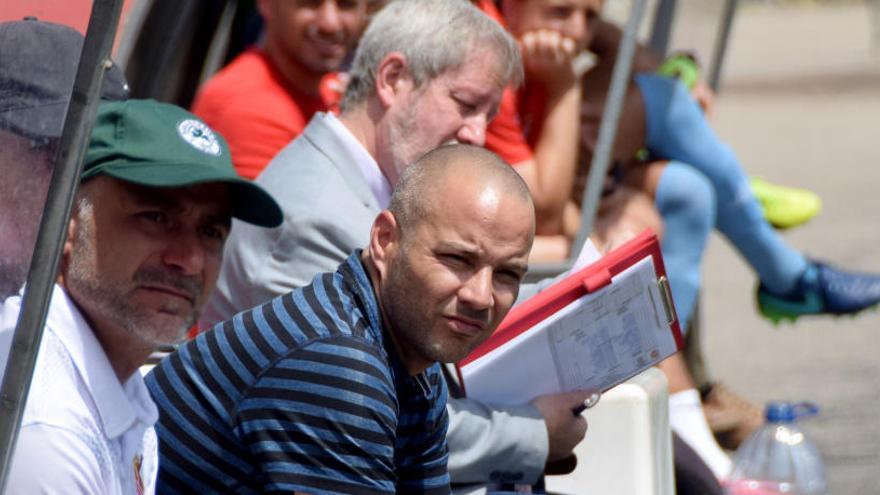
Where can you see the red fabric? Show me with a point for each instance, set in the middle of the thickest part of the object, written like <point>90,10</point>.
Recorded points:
<point>491,10</point>
<point>505,135</point>
<point>513,132</point>
<point>249,104</point>
<point>532,111</point>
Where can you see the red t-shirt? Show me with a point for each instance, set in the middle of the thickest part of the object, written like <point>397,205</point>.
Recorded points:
<point>513,132</point>
<point>249,104</point>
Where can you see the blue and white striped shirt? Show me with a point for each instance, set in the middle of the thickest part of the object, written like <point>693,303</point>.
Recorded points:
<point>304,393</point>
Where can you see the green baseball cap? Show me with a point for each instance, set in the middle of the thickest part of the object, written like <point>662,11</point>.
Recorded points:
<point>160,145</point>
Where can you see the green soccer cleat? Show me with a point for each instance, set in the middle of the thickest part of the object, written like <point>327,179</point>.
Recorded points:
<point>785,207</point>
<point>823,289</point>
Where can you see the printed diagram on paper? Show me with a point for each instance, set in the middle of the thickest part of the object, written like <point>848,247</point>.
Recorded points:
<point>608,336</point>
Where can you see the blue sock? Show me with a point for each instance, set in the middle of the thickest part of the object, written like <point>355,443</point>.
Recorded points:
<point>685,200</point>
<point>677,130</point>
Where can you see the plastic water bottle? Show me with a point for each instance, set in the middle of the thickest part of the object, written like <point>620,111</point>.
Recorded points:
<point>779,458</point>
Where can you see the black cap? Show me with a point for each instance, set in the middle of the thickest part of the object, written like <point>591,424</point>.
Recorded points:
<point>38,63</point>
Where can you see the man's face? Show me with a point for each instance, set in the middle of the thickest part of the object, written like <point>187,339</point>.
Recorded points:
<point>453,278</point>
<point>456,106</point>
<point>574,19</point>
<point>143,260</point>
<point>315,34</point>
<point>26,173</point>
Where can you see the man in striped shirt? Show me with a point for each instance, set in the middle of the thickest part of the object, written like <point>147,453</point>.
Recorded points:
<point>336,387</point>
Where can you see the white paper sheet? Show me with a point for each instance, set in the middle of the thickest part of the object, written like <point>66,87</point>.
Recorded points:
<point>595,342</point>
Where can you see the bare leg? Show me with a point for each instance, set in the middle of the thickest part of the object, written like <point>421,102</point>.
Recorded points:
<point>677,374</point>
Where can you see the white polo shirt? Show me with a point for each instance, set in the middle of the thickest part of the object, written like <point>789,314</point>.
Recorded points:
<point>83,431</point>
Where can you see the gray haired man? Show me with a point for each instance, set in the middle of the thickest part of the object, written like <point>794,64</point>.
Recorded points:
<point>425,73</point>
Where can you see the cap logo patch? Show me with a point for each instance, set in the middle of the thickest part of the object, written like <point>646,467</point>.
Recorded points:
<point>200,136</point>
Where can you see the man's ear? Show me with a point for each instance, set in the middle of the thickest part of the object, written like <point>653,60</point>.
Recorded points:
<point>384,242</point>
<point>67,249</point>
<point>392,76</point>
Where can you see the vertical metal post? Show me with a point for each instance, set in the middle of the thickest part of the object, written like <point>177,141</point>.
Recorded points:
<point>219,45</point>
<point>620,79</point>
<point>721,41</point>
<point>53,226</point>
<point>664,15</point>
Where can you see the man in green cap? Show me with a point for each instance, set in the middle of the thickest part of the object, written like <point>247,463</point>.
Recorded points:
<point>142,254</point>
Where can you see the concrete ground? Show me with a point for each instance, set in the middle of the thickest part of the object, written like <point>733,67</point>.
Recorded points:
<point>800,104</point>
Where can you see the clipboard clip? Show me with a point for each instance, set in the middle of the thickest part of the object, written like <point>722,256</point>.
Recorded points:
<point>597,280</point>
<point>666,297</point>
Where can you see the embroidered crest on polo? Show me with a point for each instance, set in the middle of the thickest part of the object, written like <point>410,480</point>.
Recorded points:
<point>200,136</point>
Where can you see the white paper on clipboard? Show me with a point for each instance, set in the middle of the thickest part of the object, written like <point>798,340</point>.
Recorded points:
<point>595,342</point>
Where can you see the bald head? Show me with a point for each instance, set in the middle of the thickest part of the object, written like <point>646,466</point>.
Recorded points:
<point>453,168</point>
<point>447,258</point>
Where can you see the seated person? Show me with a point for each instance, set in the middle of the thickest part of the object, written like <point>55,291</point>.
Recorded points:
<point>704,187</point>
<point>263,99</point>
<point>404,98</point>
<point>36,78</point>
<point>704,180</point>
<point>336,386</point>
<point>660,116</point>
<point>537,129</point>
<point>142,253</point>
<point>553,23</point>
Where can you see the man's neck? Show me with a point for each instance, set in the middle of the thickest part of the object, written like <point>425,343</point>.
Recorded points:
<point>364,121</point>
<point>413,366</point>
<point>125,351</point>
<point>295,77</point>
<point>362,126</point>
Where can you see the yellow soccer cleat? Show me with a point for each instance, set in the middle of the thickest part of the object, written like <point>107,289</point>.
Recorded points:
<point>785,207</point>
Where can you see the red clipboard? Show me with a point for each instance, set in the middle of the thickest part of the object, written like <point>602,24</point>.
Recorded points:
<point>586,280</point>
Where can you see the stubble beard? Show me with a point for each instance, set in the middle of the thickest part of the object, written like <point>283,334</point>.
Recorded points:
<point>12,275</point>
<point>402,137</point>
<point>115,304</point>
<point>22,210</point>
<point>412,322</point>
<point>313,62</point>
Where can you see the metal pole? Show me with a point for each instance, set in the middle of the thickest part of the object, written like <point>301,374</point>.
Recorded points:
<point>663,20</point>
<point>620,79</point>
<point>721,41</point>
<point>53,226</point>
